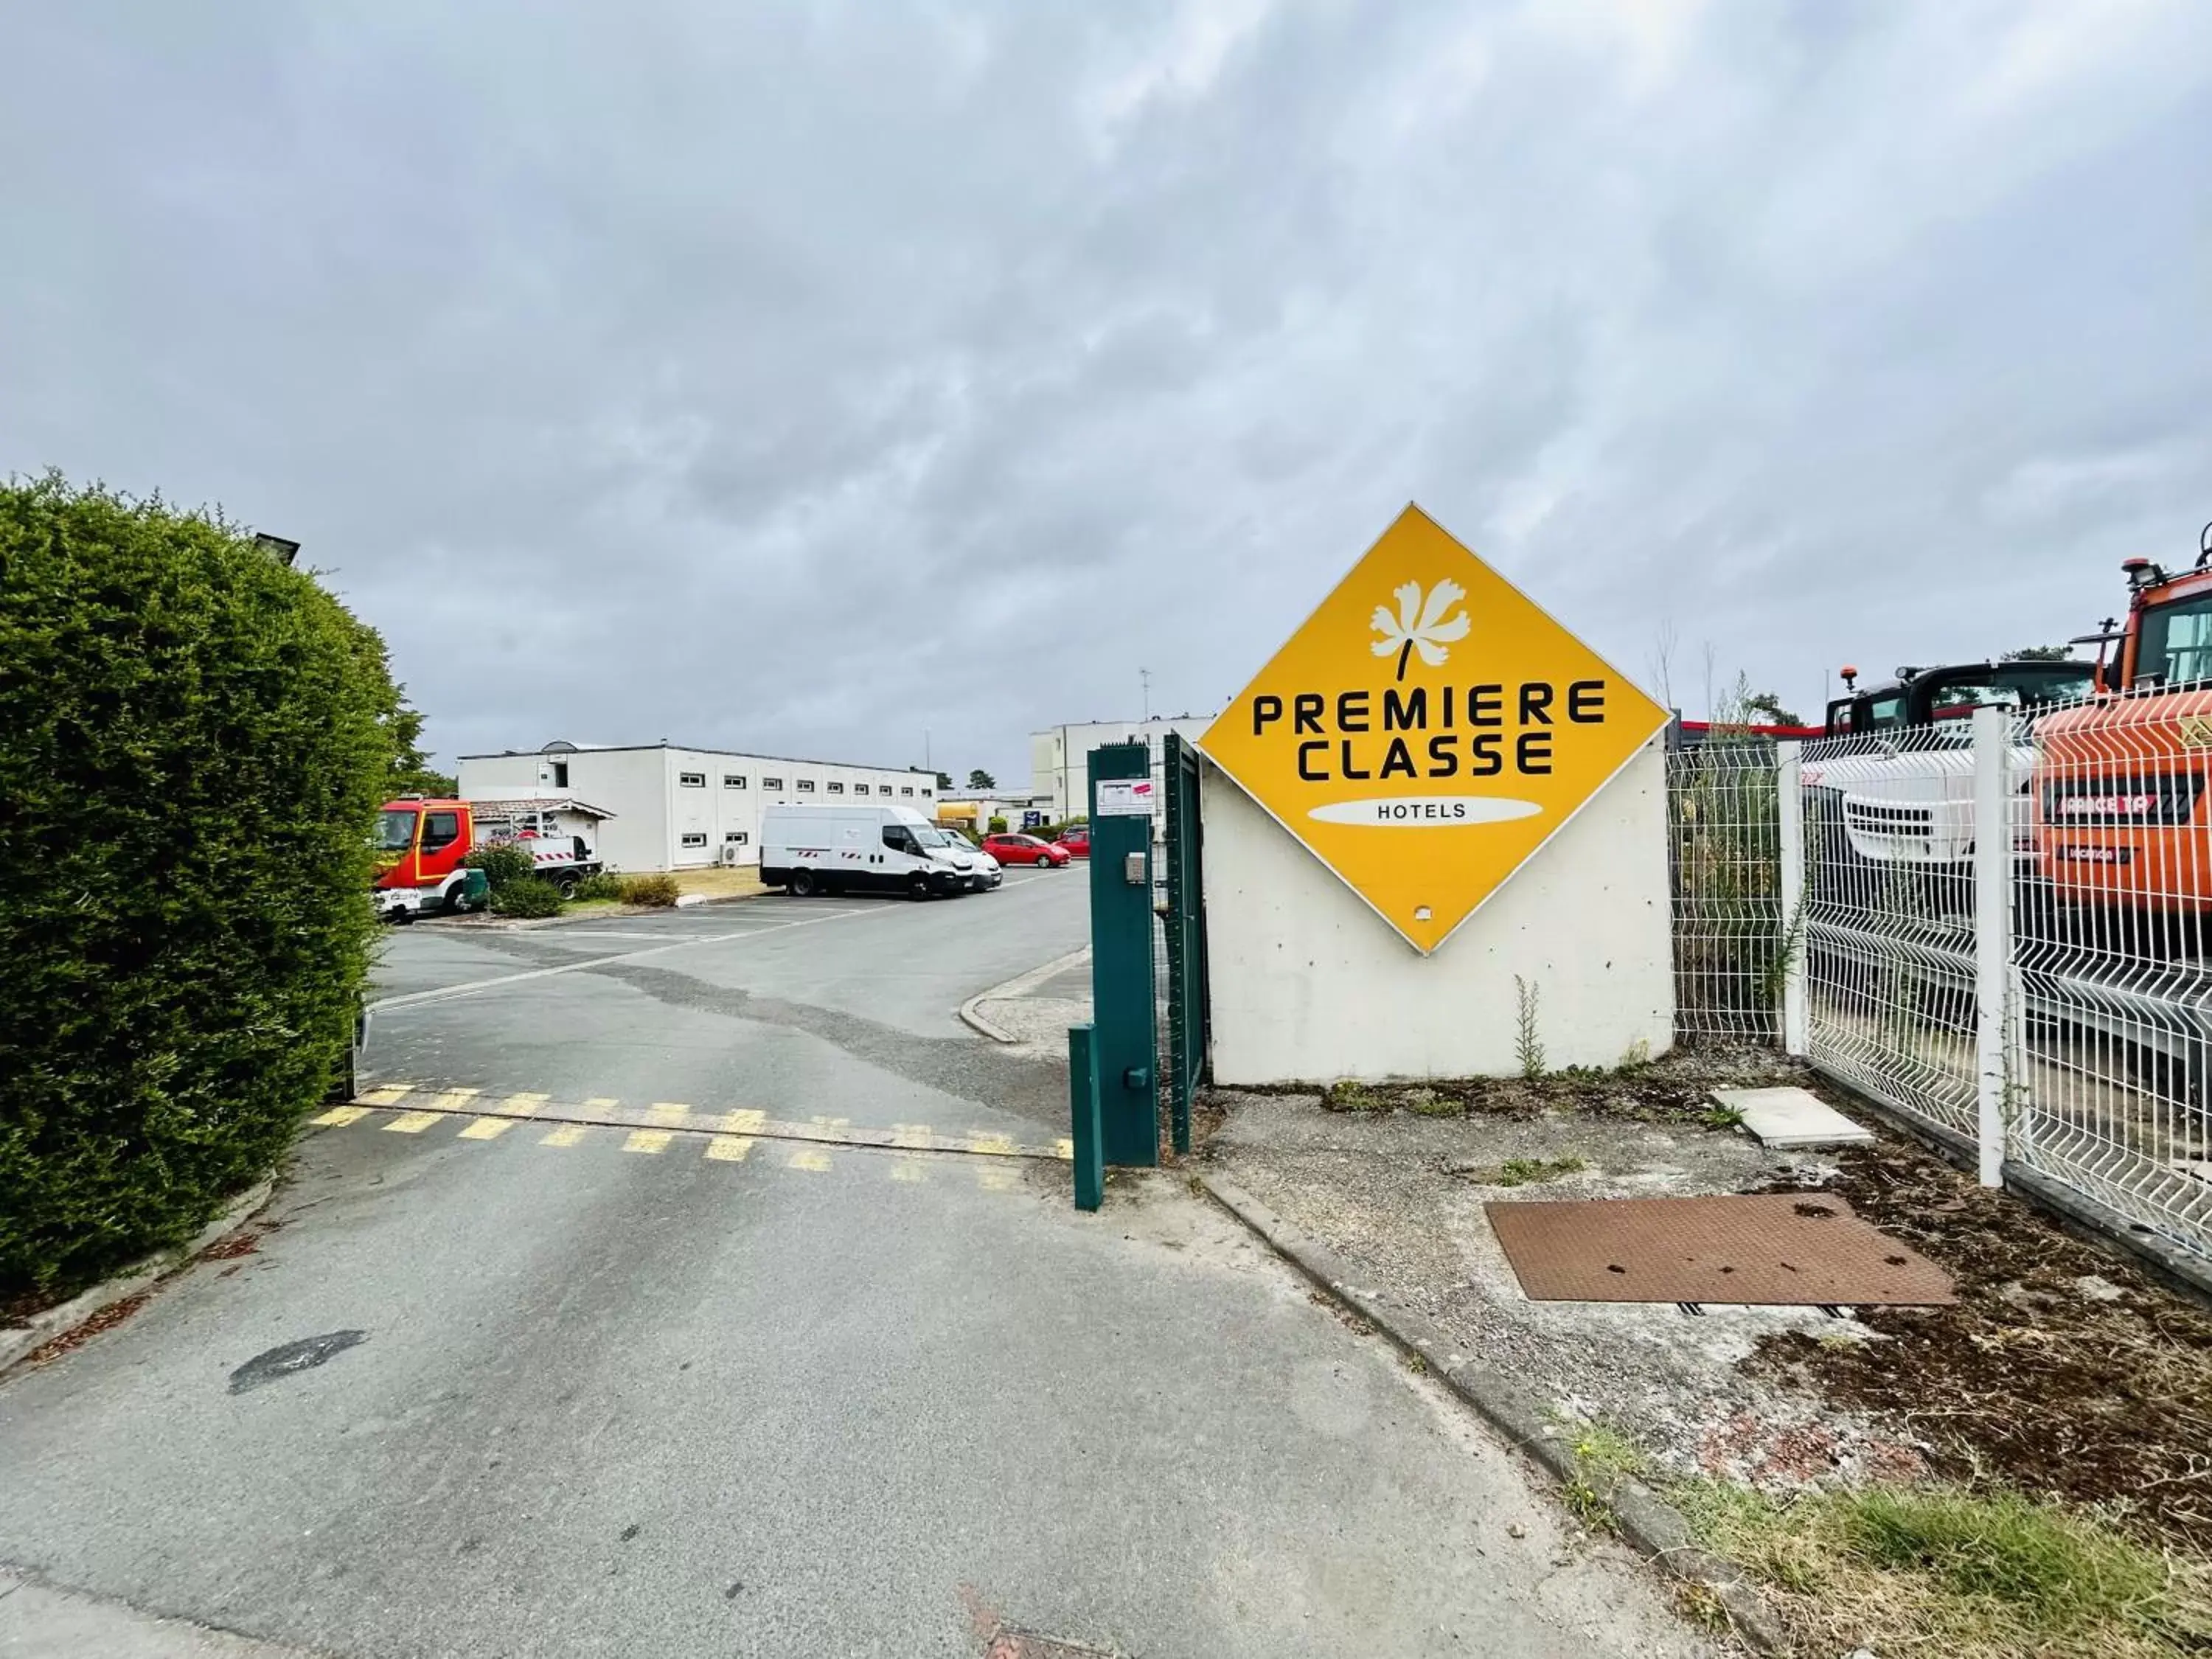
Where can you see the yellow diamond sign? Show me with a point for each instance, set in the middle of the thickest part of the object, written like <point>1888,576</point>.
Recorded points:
<point>1428,729</point>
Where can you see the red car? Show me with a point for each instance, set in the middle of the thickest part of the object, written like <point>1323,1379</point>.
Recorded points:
<point>1025,849</point>
<point>1075,843</point>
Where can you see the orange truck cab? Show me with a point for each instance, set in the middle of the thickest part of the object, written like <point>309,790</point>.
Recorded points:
<point>2123,815</point>
<point>420,844</point>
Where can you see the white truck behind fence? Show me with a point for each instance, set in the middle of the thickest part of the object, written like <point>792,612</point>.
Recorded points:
<point>2039,994</point>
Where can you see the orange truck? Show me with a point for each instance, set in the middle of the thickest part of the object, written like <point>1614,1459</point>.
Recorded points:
<point>420,843</point>
<point>2123,810</point>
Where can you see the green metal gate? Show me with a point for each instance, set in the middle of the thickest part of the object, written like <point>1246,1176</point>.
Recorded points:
<point>1184,913</point>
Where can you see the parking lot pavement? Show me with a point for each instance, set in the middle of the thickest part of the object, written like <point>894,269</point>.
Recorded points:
<point>647,1346</point>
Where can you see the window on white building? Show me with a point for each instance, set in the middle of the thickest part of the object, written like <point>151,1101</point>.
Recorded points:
<point>733,780</point>
<point>771,783</point>
<point>692,780</point>
<point>908,790</point>
<point>925,794</point>
<point>836,788</point>
<point>859,788</point>
<point>806,786</point>
<point>695,838</point>
<point>736,837</point>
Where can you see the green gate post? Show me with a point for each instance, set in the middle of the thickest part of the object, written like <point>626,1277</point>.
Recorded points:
<point>1123,1001</point>
<point>1083,1108</point>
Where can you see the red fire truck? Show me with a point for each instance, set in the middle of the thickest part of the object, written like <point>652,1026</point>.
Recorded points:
<point>420,844</point>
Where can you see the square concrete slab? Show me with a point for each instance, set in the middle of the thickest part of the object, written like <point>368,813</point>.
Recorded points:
<point>1788,1117</point>
<point>1777,1249</point>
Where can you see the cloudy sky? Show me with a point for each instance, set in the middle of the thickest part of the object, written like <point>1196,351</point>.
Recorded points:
<point>809,378</point>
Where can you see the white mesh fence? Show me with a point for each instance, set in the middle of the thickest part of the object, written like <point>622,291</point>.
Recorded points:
<point>2111,1083</point>
<point>2047,994</point>
<point>1724,854</point>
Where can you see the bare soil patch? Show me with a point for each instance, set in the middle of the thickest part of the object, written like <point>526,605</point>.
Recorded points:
<point>2062,1370</point>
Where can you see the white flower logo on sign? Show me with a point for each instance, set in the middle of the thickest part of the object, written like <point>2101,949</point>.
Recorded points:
<point>1419,627</point>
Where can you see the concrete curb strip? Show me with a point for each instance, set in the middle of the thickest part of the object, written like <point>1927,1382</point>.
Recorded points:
<point>58,1320</point>
<point>1644,1519</point>
<point>971,1013</point>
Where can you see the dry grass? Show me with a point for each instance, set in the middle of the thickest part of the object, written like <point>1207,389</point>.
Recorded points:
<point>1943,1571</point>
<point>741,882</point>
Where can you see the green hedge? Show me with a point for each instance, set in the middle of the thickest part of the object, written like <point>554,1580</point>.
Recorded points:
<point>503,864</point>
<point>532,895</point>
<point>195,743</point>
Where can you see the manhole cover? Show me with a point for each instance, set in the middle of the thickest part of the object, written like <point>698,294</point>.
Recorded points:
<point>1766,1248</point>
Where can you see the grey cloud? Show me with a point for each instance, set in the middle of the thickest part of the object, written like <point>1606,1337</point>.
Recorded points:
<point>806,378</point>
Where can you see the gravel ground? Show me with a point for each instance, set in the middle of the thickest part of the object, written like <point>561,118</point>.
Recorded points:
<point>1402,1195</point>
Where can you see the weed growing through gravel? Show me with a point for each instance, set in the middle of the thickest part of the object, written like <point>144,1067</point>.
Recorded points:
<point>1526,1171</point>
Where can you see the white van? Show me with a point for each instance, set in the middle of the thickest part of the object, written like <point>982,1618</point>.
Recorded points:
<point>861,849</point>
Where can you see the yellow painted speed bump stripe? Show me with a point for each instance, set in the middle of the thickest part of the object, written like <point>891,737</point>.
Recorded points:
<point>384,1095</point>
<point>910,1169</point>
<point>338,1116</point>
<point>488,1128</point>
<point>749,1121</point>
<point>807,1158</point>
<point>647,1141</point>
<point>566,1135</point>
<point>413,1123</point>
<point>729,1149</point>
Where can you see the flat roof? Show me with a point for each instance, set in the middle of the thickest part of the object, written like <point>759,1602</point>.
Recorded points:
<point>727,754</point>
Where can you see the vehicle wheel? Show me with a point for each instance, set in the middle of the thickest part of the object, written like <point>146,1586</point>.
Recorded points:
<point>566,885</point>
<point>802,884</point>
<point>455,900</point>
<point>917,885</point>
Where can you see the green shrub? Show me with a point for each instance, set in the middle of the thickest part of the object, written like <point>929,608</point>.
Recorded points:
<point>605,884</point>
<point>503,864</point>
<point>196,743</point>
<point>657,889</point>
<point>533,896</point>
<point>996,826</point>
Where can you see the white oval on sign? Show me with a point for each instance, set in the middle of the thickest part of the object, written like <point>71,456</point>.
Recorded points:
<point>1425,812</point>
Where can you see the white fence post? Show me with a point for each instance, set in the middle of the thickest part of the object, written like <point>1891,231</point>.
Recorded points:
<point>1992,930</point>
<point>1791,819</point>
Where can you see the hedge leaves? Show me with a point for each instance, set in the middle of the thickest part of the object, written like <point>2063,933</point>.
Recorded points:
<point>193,744</point>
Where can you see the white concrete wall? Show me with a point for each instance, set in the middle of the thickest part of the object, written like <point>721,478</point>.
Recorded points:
<point>629,783</point>
<point>503,777</point>
<point>1309,985</point>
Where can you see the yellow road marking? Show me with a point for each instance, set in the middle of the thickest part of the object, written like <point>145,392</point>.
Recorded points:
<point>668,1112</point>
<point>1064,1148</point>
<point>743,1122</point>
<point>910,1134</point>
<point>910,1169</point>
<point>452,1100</point>
<point>996,1181</point>
<point>486,1129</point>
<point>523,1105</point>
<point>998,1144</point>
<point>647,1141</point>
<point>566,1135</point>
<point>385,1093</point>
<point>729,1149</point>
<point>413,1123</point>
<point>807,1158</point>
<point>338,1116</point>
<point>832,1122</point>
<point>600,1103</point>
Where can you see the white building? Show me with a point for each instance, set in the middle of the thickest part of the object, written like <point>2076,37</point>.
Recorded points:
<point>1060,758</point>
<point>675,809</point>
